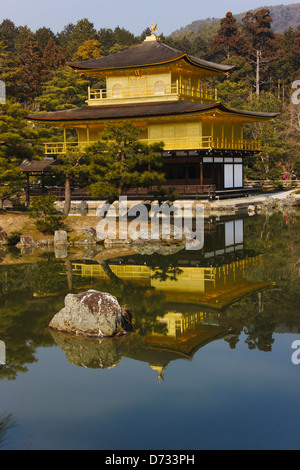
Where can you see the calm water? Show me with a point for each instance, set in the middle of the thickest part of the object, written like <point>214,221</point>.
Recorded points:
<point>210,364</point>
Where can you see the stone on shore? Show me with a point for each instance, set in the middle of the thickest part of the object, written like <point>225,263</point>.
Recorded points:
<point>26,241</point>
<point>90,232</point>
<point>92,313</point>
<point>60,237</point>
<point>3,237</point>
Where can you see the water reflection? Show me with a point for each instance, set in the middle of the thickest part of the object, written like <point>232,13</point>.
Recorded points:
<point>241,281</point>
<point>7,422</point>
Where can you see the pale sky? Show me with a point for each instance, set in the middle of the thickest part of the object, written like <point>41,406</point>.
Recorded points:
<point>133,15</point>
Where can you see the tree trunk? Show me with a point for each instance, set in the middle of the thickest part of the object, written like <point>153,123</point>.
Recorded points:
<point>67,206</point>
<point>69,275</point>
<point>258,56</point>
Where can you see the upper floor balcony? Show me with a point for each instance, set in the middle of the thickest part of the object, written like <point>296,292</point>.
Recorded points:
<point>159,91</point>
<point>184,143</point>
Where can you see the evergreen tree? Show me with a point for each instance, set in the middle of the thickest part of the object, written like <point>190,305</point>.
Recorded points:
<point>107,39</point>
<point>9,71</point>
<point>124,37</point>
<point>120,161</point>
<point>19,141</point>
<point>23,33</point>
<point>282,69</point>
<point>260,42</point>
<point>296,51</point>
<point>64,38</point>
<point>83,31</point>
<point>228,40</point>
<point>8,34</point>
<point>72,166</point>
<point>42,36</point>
<point>272,135</point>
<point>31,71</point>
<point>53,58</point>
<point>63,91</point>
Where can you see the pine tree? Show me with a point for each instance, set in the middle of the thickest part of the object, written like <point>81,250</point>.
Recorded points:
<point>9,71</point>
<point>228,40</point>
<point>83,31</point>
<point>64,90</point>
<point>8,34</point>
<point>120,161</point>
<point>42,36</point>
<point>72,166</point>
<point>107,39</point>
<point>282,69</point>
<point>296,51</point>
<point>260,42</point>
<point>31,71</point>
<point>20,141</point>
<point>53,58</point>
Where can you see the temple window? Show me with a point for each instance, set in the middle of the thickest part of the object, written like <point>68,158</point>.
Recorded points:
<point>117,91</point>
<point>159,88</point>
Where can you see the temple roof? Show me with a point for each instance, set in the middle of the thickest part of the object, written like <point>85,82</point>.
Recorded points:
<point>141,110</point>
<point>148,53</point>
<point>33,166</point>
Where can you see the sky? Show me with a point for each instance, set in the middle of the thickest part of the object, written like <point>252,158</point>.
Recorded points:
<point>133,15</point>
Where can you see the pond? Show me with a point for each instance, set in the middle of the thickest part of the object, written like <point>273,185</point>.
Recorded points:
<point>212,362</point>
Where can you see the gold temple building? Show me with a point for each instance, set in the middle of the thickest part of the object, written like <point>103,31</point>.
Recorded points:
<point>161,91</point>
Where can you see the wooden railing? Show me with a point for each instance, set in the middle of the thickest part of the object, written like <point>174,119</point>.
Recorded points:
<point>189,191</point>
<point>180,90</point>
<point>182,143</point>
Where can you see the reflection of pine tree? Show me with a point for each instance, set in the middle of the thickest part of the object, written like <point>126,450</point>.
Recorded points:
<point>260,314</point>
<point>6,423</point>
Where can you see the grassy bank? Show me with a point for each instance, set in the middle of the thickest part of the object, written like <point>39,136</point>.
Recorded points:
<point>12,221</point>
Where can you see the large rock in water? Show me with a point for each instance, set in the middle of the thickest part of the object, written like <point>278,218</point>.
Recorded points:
<point>92,313</point>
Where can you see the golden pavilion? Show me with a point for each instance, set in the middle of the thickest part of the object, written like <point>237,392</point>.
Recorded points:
<point>161,91</point>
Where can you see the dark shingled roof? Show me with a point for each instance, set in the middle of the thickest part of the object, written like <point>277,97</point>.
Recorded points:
<point>36,165</point>
<point>139,110</point>
<point>144,54</point>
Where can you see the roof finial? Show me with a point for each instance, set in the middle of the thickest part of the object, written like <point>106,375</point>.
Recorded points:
<point>153,28</point>
<point>153,36</point>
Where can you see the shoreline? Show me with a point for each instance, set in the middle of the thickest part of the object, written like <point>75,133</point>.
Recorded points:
<point>13,220</point>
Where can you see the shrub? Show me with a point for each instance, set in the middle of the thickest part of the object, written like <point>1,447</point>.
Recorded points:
<point>45,213</point>
<point>14,238</point>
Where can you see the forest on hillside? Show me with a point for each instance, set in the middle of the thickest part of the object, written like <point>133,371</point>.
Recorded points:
<point>283,17</point>
<point>267,65</point>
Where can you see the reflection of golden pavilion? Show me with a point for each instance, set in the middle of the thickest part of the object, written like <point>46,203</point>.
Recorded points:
<point>194,302</point>
<point>212,286</point>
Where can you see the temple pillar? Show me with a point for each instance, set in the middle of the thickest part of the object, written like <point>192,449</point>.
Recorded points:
<point>201,173</point>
